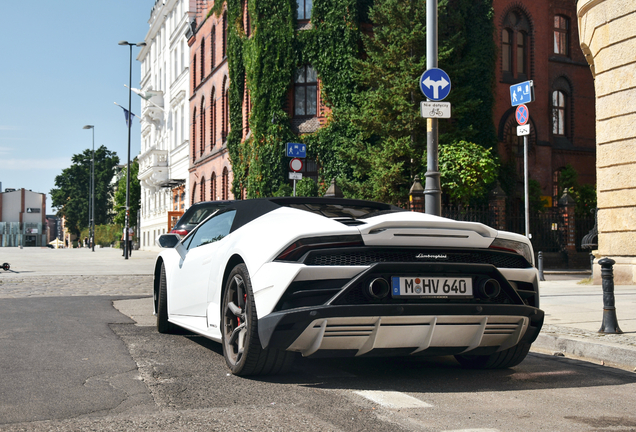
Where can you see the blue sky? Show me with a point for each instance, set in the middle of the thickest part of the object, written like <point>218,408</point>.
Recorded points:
<point>60,69</point>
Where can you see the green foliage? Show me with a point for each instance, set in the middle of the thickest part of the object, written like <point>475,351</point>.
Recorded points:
<point>374,136</point>
<point>466,171</point>
<point>72,192</point>
<point>285,190</point>
<point>568,178</point>
<point>584,195</point>
<point>134,198</point>
<point>537,204</point>
<point>306,187</point>
<point>105,235</point>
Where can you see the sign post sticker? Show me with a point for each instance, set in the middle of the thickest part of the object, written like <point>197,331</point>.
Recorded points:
<point>435,84</point>
<point>522,93</point>
<point>523,130</point>
<point>295,176</point>
<point>522,114</point>
<point>435,109</point>
<point>296,150</point>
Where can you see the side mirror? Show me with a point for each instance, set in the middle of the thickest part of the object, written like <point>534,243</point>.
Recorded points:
<point>169,241</point>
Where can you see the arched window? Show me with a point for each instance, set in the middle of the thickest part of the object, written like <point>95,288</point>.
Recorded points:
<point>194,135</point>
<point>202,198</point>
<point>213,119</point>
<point>203,124</point>
<point>194,72</point>
<point>225,185</point>
<point>213,47</point>
<point>224,34</point>
<point>213,187</point>
<point>226,110</point>
<point>515,46</point>
<point>506,50</point>
<point>305,91</point>
<point>558,112</point>
<point>561,35</point>
<point>202,58</point>
<point>194,193</point>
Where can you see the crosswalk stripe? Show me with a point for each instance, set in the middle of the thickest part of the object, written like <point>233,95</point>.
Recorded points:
<point>392,399</point>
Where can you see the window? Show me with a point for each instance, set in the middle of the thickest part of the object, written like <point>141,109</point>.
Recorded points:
<point>212,230</point>
<point>202,58</point>
<point>225,185</point>
<point>194,134</point>
<point>202,145</point>
<point>304,9</point>
<point>213,119</point>
<point>561,27</point>
<point>506,50</point>
<point>226,109</point>
<point>224,34</point>
<point>202,197</point>
<point>213,48</point>
<point>194,193</point>
<point>521,53</point>
<point>213,187</point>
<point>194,72</point>
<point>558,113</point>
<point>305,91</point>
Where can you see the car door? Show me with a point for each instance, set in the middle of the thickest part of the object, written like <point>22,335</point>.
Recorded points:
<point>192,279</point>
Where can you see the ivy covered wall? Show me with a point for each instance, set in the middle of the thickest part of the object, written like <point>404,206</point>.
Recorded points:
<point>354,69</point>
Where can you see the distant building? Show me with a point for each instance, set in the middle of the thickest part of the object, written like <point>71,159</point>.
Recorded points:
<point>22,218</point>
<point>163,163</point>
<point>538,40</point>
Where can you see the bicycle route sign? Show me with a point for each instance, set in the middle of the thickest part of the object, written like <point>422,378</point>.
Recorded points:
<point>435,109</point>
<point>522,115</point>
<point>435,84</point>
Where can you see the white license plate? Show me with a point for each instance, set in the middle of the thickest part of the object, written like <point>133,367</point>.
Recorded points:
<point>423,286</point>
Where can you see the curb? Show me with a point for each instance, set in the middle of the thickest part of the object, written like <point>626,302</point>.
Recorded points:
<point>556,341</point>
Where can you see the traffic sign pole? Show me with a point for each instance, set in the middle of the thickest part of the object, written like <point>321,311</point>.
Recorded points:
<point>433,188</point>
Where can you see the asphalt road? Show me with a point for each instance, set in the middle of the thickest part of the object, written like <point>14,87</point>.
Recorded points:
<point>76,363</point>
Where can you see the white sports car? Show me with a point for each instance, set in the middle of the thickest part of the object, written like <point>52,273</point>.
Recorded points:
<point>273,277</point>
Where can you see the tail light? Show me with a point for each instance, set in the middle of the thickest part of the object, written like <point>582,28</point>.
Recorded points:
<point>513,246</point>
<point>300,247</point>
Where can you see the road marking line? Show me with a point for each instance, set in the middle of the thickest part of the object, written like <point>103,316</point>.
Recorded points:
<point>473,430</point>
<point>393,399</point>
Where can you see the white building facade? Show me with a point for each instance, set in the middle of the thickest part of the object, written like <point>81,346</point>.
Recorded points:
<point>165,90</point>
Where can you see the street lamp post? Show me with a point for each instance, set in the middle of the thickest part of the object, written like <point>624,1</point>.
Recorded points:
<point>91,211</point>
<point>126,225</point>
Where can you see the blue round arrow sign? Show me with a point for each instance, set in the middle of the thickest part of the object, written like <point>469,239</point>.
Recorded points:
<point>522,115</point>
<point>435,84</point>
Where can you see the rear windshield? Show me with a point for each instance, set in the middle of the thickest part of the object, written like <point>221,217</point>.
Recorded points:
<point>201,214</point>
<point>346,211</point>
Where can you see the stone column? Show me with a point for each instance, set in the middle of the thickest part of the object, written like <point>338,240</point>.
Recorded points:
<point>607,30</point>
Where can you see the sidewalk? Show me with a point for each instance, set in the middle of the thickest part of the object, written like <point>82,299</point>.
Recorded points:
<point>573,312</point>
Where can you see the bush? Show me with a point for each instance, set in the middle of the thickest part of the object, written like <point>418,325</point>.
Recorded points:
<point>105,235</point>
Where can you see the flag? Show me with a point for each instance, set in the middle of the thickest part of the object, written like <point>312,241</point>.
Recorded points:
<point>127,115</point>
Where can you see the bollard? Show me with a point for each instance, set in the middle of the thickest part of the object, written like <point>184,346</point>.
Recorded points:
<point>610,322</point>
<point>540,260</point>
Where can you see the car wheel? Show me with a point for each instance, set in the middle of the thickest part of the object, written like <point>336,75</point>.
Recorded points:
<point>499,360</point>
<point>242,348</point>
<point>163,325</point>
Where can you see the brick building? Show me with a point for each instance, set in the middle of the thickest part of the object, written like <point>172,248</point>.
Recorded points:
<point>210,171</point>
<point>539,41</point>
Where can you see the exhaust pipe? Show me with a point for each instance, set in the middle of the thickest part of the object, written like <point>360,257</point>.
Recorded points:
<point>379,288</point>
<point>490,288</point>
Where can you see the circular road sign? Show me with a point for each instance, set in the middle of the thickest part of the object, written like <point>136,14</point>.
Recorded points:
<point>295,164</point>
<point>435,84</point>
<point>522,115</point>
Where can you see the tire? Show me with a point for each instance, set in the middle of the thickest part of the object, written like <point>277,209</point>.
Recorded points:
<point>499,360</point>
<point>163,325</point>
<point>242,348</point>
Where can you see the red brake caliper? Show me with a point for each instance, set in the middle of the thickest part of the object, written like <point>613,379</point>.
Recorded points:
<point>238,319</point>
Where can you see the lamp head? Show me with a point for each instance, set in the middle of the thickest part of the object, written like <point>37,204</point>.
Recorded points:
<point>123,43</point>
<point>140,44</point>
<point>88,127</point>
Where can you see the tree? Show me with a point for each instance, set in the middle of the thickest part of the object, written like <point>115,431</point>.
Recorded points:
<point>134,198</point>
<point>71,195</point>
<point>466,171</point>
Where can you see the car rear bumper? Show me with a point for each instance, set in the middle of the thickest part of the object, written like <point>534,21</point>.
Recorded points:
<point>423,329</point>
